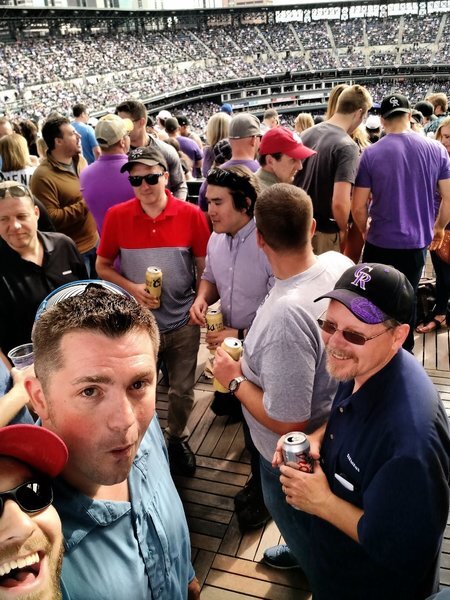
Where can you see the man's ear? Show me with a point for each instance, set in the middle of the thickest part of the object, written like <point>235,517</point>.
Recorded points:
<point>37,397</point>
<point>260,240</point>
<point>400,335</point>
<point>313,227</point>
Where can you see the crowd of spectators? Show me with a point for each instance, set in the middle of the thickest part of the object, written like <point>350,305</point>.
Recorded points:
<point>348,33</point>
<point>46,73</point>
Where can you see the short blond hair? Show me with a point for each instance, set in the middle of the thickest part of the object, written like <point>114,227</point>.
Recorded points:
<point>14,152</point>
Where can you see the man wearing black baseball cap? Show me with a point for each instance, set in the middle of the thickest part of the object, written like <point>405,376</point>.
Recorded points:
<point>400,175</point>
<point>372,515</point>
<point>31,541</point>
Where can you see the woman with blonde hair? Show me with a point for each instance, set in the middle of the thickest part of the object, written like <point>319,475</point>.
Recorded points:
<point>216,130</point>
<point>303,121</point>
<point>16,161</point>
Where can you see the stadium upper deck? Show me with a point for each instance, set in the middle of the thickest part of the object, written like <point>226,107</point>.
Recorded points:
<point>55,57</point>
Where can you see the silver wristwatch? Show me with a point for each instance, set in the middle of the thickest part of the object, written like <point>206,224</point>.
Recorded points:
<point>234,384</point>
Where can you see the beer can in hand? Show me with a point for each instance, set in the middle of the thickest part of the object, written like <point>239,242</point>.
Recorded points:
<point>153,283</point>
<point>233,347</point>
<point>214,321</point>
<point>296,450</point>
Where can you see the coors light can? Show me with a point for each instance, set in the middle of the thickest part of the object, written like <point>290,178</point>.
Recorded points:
<point>153,283</point>
<point>233,347</point>
<point>296,450</point>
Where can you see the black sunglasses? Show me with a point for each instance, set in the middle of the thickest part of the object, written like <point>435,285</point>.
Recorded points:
<point>16,191</point>
<point>350,336</point>
<point>151,179</point>
<point>32,496</point>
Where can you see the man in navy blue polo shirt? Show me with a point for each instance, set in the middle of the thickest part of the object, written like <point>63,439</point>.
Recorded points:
<point>372,515</point>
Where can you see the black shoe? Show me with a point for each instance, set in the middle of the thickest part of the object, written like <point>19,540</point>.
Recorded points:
<point>250,491</point>
<point>253,515</point>
<point>181,458</point>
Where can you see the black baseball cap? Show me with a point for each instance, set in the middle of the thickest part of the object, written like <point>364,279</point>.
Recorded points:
<point>146,155</point>
<point>394,103</point>
<point>182,120</point>
<point>374,293</point>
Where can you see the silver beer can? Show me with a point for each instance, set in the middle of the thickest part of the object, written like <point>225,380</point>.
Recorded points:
<point>296,450</point>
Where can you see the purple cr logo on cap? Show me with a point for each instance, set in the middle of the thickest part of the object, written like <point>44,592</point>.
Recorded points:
<point>362,277</point>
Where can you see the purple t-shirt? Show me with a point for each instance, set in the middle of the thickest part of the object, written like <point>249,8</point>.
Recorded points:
<point>103,185</point>
<point>190,148</point>
<point>402,171</point>
<point>253,165</point>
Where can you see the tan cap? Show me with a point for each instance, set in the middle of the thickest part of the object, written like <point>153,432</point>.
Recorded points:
<point>110,129</point>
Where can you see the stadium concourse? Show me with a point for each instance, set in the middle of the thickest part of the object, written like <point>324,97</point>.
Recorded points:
<point>44,74</point>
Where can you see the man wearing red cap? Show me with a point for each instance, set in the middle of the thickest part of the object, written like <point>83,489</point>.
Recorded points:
<point>31,542</point>
<point>280,155</point>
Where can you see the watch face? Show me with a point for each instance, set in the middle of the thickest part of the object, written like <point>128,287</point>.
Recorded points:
<point>234,384</point>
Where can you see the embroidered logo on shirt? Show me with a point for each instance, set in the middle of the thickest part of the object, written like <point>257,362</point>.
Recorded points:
<point>349,458</point>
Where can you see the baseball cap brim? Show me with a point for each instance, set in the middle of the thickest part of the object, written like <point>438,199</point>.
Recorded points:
<point>35,446</point>
<point>395,110</point>
<point>300,152</point>
<point>361,307</point>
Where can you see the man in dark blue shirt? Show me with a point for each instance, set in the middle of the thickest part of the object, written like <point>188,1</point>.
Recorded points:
<point>373,513</point>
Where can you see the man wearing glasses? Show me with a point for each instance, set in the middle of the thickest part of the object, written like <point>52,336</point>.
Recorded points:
<point>156,229</point>
<point>32,264</point>
<point>282,381</point>
<point>31,541</point>
<point>373,513</point>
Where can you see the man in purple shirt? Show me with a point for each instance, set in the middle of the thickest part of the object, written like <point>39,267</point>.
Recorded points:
<point>238,272</point>
<point>400,174</point>
<point>102,183</point>
<point>187,145</point>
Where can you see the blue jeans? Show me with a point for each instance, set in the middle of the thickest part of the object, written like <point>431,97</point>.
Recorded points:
<point>89,259</point>
<point>293,524</point>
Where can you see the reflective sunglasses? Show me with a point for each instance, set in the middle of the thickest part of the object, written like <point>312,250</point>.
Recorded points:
<point>350,336</point>
<point>152,179</point>
<point>16,191</point>
<point>32,496</point>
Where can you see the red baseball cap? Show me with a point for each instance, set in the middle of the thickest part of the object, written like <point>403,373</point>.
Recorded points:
<point>281,139</point>
<point>35,446</point>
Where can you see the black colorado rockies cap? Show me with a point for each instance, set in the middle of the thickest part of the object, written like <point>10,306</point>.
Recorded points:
<point>374,293</point>
<point>394,103</point>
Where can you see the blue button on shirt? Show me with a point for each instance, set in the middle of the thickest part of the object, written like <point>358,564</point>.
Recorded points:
<point>138,549</point>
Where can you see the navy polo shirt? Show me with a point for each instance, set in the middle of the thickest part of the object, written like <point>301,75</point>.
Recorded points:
<point>24,284</point>
<point>386,450</point>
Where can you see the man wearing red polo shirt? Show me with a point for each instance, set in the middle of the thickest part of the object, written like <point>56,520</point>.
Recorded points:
<point>156,229</point>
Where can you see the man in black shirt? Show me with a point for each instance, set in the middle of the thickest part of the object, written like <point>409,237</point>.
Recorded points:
<point>32,264</point>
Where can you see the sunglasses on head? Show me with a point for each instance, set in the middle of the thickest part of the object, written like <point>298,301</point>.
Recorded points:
<point>350,336</point>
<point>16,191</point>
<point>32,496</point>
<point>151,179</point>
